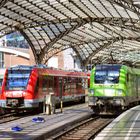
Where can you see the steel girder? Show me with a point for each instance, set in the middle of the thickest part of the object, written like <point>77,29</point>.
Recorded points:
<point>75,13</point>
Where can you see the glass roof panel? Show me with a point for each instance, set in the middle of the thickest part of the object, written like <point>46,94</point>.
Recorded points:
<point>89,26</point>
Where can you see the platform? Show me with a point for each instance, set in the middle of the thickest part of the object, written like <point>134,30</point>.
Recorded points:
<point>42,130</point>
<point>124,127</point>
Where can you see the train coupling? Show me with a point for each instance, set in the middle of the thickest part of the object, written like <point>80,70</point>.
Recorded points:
<point>14,102</point>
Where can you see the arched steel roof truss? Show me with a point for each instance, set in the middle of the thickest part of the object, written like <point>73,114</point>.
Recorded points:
<point>99,31</point>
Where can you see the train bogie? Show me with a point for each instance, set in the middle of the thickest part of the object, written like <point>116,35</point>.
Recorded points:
<point>107,105</point>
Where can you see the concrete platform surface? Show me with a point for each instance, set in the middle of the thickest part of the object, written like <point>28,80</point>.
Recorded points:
<point>124,127</point>
<point>41,130</point>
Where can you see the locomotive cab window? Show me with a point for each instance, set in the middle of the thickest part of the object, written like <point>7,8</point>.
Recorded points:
<point>106,76</point>
<point>17,79</point>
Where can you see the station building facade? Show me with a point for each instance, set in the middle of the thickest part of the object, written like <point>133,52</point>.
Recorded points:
<point>18,52</point>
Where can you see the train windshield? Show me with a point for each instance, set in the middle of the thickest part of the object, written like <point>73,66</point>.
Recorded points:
<point>17,79</point>
<point>106,77</point>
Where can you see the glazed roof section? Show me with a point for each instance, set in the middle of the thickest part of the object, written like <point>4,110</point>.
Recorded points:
<point>99,31</point>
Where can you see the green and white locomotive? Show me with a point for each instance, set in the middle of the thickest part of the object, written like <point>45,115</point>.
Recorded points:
<point>113,88</point>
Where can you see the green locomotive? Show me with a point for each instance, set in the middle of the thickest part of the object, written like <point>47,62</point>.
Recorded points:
<point>113,88</point>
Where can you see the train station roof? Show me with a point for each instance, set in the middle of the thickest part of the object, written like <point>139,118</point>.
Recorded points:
<point>99,31</point>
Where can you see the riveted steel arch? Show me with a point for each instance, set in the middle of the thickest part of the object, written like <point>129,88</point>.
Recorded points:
<point>89,27</point>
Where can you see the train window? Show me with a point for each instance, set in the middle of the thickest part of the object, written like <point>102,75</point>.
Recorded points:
<point>37,86</point>
<point>47,84</point>
<point>50,84</point>
<point>17,79</point>
<point>79,83</point>
<point>67,82</point>
<point>60,87</point>
<point>84,83</point>
<point>73,85</point>
<point>107,76</point>
<point>44,83</point>
<point>56,85</point>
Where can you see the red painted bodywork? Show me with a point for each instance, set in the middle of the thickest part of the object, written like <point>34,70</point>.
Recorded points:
<point>36,73</point>
<point>88,74</point>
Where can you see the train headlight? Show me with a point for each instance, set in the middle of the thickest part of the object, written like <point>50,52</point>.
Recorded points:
<point>120,92</point>
<point>92,92</point>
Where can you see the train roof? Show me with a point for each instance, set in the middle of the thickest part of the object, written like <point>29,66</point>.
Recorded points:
<point>56,72</point>
<point>27,67</point>
<point>108,66</point>
<point>117,67</point>
<point>24,67</point>
<point>132,70</point>
<point>44,70</point>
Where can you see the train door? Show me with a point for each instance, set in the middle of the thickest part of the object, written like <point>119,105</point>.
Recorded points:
<point>47,85</point>
<point>40,80</point>
<point>56,86</point>
<point>50,85</point>
<point>60,87</point>
<point>129,86</point>
<point>36,90</point>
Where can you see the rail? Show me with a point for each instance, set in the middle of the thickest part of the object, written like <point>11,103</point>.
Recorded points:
<point>84,130</point>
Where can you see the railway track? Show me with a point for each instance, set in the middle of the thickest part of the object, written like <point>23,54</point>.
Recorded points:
<point>8,117</point>
<point>83,131</point>
<point>14,116</point>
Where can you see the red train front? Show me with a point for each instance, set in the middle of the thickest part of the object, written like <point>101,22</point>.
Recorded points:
<point>26,86</point>
<point>17,87</point>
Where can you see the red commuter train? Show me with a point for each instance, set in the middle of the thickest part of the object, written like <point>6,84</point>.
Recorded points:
<point>25,87</point>
<point>88,74</point>
<point>2,72</point>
